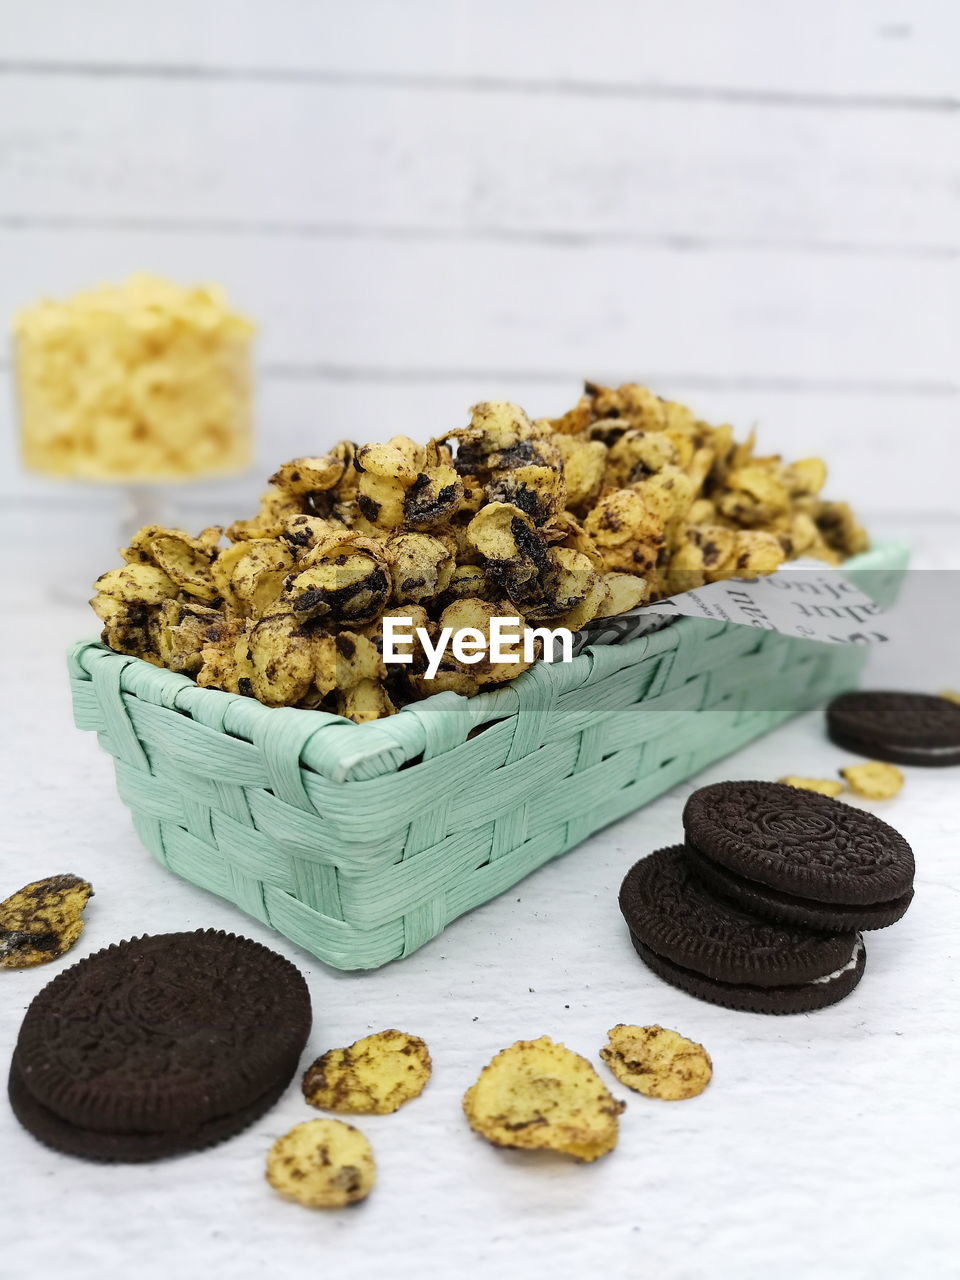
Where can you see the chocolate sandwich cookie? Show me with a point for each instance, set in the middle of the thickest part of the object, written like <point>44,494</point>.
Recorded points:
<point>128,1148</point>
<point>712,949</point>
<point>760,900</point>
<point>905,728</point>
<point>798,857</point>
<point>159,1045</point>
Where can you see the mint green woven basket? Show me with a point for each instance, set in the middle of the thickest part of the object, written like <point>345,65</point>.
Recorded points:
<point>362,842</point>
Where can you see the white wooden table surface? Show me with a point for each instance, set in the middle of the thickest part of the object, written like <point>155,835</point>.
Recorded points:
<point>825,1146</point>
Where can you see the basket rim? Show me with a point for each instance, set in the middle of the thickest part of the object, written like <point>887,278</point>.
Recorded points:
<point>341,750</point>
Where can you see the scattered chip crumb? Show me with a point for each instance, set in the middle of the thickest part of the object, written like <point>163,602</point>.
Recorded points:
<point>540,1095</point>
<point>822,786</point>
<point>375,1076</point>
<point>656,1062</point>
<point>322,1164</point>
<point>874,780</point>
<point>42,921</point>
<point>951,695</point>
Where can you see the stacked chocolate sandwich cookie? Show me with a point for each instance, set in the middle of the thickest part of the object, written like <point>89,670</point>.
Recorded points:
<point>159,1046</point>
<point>905,728</point>
<point>762,907</point>
<point>798,857</point>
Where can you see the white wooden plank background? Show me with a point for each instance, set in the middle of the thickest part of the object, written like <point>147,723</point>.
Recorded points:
<point>889,50</point>
<point>752,206</point>
<point>380,160</point>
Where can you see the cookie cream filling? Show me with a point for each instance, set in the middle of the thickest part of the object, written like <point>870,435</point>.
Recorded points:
<point>851,963</point>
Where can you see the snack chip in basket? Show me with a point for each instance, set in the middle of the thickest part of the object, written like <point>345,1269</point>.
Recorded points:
<point>42,921</point>
<point>656,1062</point>
<point>322,1164</point>
<point>538,1095</point>
<point>374,1076</point>
<point>622,501</point>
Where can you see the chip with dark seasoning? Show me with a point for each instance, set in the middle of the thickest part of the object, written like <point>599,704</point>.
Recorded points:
<point>42,921</point>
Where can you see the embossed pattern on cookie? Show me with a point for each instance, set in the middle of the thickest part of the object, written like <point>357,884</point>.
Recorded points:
<point>799,842</point>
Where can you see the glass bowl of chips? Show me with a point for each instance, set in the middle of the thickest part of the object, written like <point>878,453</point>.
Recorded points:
<point>138,383</point>
<point>139,386</point>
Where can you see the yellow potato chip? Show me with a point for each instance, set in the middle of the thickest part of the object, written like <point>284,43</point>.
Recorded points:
<point>322,1164</point>
<point>364,701</point>
<point>184,630</point>
<point>42,921</point>
<point>284,661</point>
<point>433,498</point>
<point>380,500</point>
<point>345,589</point>
<point>756,551</point>
<point>399,459</point>
<point>129,626</point>
<point>656,1062</point>
<point>226,661</point>
<point>538,1095</point>
<point>563,584</point>
<point>136,583</point>
<point>594,604</point>
<point>310,475</point>
<point>495,426</point>
<point>951,695</point>
<point>874,780</point>
<point>375,1076</point>
<point>583,467</point>
<point>638,454</point>
<point>628,530</point>
<point>479,615</point>
<point>505,535</point>
<point>754,496</point>
<point>807,476</point>
<point>420,567</point>
<point>822,786</point>
<point>539,490</point>
<point>839,529</point>
<point>345,661</point>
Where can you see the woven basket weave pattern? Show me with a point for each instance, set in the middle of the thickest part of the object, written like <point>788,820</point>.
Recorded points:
<point>361,842</point>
